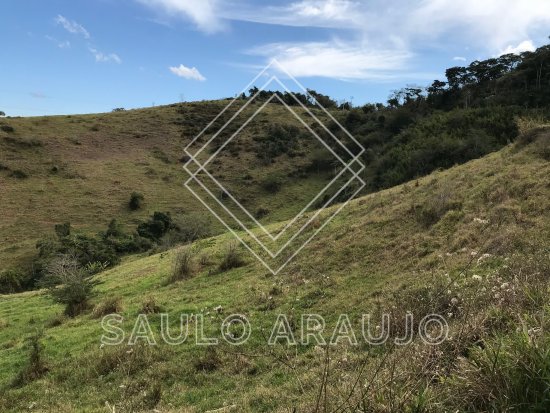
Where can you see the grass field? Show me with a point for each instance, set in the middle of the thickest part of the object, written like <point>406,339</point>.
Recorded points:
<point>470,242</point>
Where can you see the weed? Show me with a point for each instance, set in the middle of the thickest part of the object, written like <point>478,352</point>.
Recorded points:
<point>183,265</point>
<point>232,258</point>
<point>111,305</point>
<point>150,306</point>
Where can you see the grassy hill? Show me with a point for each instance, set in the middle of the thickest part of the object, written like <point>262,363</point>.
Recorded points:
<point>470,242</point>
<point>82,169</point>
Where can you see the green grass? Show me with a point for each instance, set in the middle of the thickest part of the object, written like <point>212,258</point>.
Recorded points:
<point>379,252</point>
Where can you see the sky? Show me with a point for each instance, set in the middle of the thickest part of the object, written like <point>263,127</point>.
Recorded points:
<point>89,56</point>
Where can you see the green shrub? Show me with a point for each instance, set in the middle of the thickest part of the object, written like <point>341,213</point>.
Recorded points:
<point>150,306</point>
<point>111,305</point>
<point>63,230</point>
<point>136,200</point>
<point>322,160</point>
<point>183,265</point>
<point>19,174</point>
<point>69,284</point>
<point>192,227</point>
<point>272,184</point>
<point>435,207</point>
<point>7,128</point>
<point>509,374</point>
<point>158,225</point>
<point>261,212</point>
<point>280,139</point>
<point>232,258</point>
<point>14,281</point>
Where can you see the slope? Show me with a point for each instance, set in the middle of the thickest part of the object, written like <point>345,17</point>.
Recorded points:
<point>470,243</point>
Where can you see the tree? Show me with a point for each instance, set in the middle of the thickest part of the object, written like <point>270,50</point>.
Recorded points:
<point>2,113</point>
<point>457,77</point>
<point>252,91</point>
<point>436,87</point>
<point>69,284</point>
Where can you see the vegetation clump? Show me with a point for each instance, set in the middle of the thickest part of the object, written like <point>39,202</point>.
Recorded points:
<point>183,266</point>
<point>70,284</point>
<point>232,258</point>
<point>136,201</point>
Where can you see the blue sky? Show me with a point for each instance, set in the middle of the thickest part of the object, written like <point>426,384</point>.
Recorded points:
<point>76,56</point>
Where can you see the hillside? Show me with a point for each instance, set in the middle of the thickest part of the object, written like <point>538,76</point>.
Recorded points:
<point>82,169</point>
<point>470,242</point>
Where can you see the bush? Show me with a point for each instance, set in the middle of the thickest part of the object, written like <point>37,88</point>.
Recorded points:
<point>13,281</point>
<point>208,362</point>
<point>150,306</point>
<point>69,284</point>
<point>19,174</point>
<point>136,200</point>
<point>183,265</point>
<point>232,258</point>
<point>261,212</point>
<point>280,139</point>
<point>272,184</point>
<point>111,305</point>
<point>192,227</point>
<point>436,207</point>
<point>63,230</point>
<point>158,225</point>
<point>321,161</point>
<point>7,128</point>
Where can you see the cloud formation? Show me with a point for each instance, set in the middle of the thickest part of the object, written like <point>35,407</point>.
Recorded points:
<point>335,60</point>
<point>71,26</point>
<point>102,57</point>
<point>187,73</point>
<point>377,38</point>
<point>525,46</point>
<point>65,44</point>
<point>203,13</point>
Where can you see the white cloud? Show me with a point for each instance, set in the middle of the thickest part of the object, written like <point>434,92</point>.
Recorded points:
<point>380,36</point>
<point>489,24</point>
<point>525,46</point>
<point>187,73</point>
<point>204,13</point>
<point>335,60</point>
<point>65,44</point>
<point>342,14</point>
<point>102,57</point>
<point>459,58</point>
<point>71,26</point>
